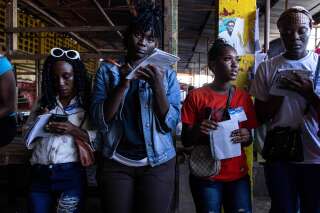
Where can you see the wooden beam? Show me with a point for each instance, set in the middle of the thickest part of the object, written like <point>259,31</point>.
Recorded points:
<point>58,23</point>
<point>74,12</point>
<point>171,26</point>
<point>11,20</point>
<point>105,15</point>
<point>65,29</point>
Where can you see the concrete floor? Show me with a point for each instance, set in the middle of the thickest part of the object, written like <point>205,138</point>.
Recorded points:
<point>261,204</point>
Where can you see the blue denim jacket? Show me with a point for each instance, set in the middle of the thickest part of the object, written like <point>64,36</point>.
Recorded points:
<point>158,138</point>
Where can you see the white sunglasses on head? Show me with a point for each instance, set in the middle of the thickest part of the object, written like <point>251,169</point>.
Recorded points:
<point>58,52</point>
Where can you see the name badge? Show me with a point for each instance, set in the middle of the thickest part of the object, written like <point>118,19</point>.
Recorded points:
<point>237,114</point>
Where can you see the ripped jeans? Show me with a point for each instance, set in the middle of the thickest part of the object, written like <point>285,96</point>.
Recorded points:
<point>209,196</point>
<point>57,186</point>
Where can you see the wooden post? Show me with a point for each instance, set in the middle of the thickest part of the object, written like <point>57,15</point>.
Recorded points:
<point>286,4</point>
<point>38,78</point>
<point>11,20</point>
<point>267,27</point>
<point>170,41</point>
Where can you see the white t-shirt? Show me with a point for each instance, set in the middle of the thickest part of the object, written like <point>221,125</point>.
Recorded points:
<point>292,110</point>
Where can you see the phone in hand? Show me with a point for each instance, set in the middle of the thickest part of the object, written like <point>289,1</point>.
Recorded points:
<point>55,118</point>
<point>58,118</point>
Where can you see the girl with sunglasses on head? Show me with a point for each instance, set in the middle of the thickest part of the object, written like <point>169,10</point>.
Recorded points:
<point>58,175</point>
<point>231,186</point>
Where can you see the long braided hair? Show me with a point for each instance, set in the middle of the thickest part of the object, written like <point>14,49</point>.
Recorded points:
<point>81,82</point>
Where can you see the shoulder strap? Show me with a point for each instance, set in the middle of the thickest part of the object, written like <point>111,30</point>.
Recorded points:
<point>316,74</point>
<point>83,120</point>
<point>225,113</point>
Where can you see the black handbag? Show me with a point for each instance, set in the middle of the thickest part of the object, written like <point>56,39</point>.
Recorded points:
<point>283,144</point>
<point>202,162</point>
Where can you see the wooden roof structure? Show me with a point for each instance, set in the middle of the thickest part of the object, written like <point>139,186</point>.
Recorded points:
<point>98,24</point>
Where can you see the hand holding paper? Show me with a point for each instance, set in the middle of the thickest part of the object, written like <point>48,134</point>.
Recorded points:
<point>285,81</point>
<point>157,57</point>
<point>221,142</point>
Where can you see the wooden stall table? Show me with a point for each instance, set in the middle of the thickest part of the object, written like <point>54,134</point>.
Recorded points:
<point>14,170</point>
<point>15,153</point>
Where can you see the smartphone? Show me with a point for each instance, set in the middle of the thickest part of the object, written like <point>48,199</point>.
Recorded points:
<point>58,118</point>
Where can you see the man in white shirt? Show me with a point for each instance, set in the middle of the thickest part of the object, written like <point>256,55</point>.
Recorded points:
<point>292,185</point>
<point>232,37</point>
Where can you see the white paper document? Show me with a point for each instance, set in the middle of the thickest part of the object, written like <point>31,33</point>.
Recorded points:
<point>288,73</point>
<point>220,141</point>
<point>37,130</point>
<point>157,57</point>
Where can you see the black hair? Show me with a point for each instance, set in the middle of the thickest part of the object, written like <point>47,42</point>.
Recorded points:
<point>81,82</point>
<point>216,48</point>
<point>230,21</point>
<point>149,18</point>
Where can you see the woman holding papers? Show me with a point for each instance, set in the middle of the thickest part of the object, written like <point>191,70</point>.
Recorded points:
<point>58,177</point>
<point>202,114</point>
<point>136,117</point>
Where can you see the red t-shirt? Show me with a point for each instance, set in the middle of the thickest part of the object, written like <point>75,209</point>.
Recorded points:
<point>193,111</point>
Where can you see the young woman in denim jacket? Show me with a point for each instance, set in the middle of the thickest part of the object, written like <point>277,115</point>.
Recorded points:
<point>231,187</point>
<point>136,118</point>
<point>57,176</point>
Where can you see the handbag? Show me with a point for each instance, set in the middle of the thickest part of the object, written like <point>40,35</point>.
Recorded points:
<point>284,144</point>
<point>202,162</point>
<point>85,152</point>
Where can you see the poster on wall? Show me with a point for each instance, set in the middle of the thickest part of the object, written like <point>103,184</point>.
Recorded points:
<point>232,30</point>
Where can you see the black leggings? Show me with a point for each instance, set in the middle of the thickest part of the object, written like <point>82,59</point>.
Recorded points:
<point>8,129</point>
<point>136,189</point>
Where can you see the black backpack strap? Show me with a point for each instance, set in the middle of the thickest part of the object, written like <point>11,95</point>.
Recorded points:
<point>225,113</point>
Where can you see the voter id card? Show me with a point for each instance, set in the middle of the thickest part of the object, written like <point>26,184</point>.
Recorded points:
<point>237,114</point>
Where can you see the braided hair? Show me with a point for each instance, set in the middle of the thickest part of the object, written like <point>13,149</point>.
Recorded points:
<point>217,47</point>
<point>148,18</point>
<point>81,82</point>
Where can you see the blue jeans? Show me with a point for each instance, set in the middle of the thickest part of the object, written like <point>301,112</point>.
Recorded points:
<point>59,186</point>
<point>293,187</point>
<point>209,196</point>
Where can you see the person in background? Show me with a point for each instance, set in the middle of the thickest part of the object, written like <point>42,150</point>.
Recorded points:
<point>231,187</point>
<point>291,185</point>
<point>57,177</point>
<point>232,37</point>
<point>8,125</point>
<point>136,118</point>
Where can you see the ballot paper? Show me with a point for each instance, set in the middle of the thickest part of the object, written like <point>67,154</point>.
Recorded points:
<point>288,73</point>
<point>220,141</point>
<point>37,130</point>
<point>157,57</point>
